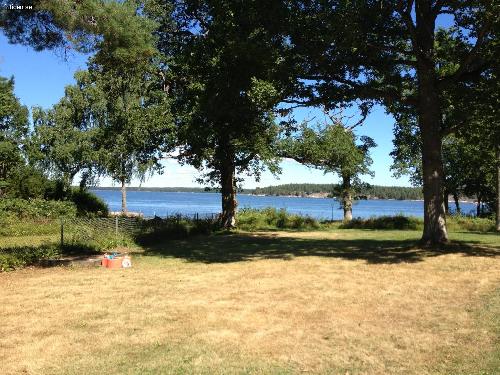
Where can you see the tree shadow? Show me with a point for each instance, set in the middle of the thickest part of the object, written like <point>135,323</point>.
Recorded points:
<point>247,246</point>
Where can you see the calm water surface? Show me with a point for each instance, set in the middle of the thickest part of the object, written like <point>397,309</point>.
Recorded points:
<point>169,203</point>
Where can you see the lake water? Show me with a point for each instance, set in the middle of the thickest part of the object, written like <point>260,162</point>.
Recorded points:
<point>162,204</point>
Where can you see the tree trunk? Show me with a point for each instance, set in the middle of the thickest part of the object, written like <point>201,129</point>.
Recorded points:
<point>124,197</point>
<point>446,203</point>
<point>346,197</point>
<point>228,191</point>
<point>434,214</point>
<point>457,203</point>
<point>429,118</point>
<point>498,188</point>
<point>478,206</point>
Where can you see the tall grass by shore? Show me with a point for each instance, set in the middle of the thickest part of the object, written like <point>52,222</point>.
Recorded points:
<point>455,223</point>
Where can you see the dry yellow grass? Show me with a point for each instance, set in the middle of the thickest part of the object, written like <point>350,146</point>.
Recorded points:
<point>289,314</point>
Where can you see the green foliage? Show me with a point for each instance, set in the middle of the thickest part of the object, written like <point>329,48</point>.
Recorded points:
<point>133,122</point>
<point>175,227</point>
<point>385,222</point>
<point>332,148</point>
<point>27,182</point>
<point>273,219</point>
<point>62,139</point>
<point>178,227</point>
<point>13,115</point>
<point>13,130</point>
<point>11,226</point>
<point>83,25</point>
<point>469,160</point>
<point>95,239</point>
<point>397,54</point>
<point>227,78</point>
<point>88,204</point>
<point>363,191</point>
<point>455,223</point>
<point>16,257</point>
<point>458,223</point>
<point>36,208</point>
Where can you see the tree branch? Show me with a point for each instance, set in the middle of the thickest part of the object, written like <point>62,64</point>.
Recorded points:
<point>404,11</point>
<point>472,62</point>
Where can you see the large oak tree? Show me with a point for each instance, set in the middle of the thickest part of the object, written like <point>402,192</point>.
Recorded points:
<point>387,52</point>
<point>222,70</point>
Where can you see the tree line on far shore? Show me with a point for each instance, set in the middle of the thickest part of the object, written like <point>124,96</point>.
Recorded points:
<point>331,190</point>
<point>365,191</point>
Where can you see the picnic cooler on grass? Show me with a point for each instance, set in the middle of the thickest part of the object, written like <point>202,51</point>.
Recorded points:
<point>116,261</point>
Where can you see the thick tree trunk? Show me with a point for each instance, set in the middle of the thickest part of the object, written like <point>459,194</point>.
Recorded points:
<point>346,198</point>
<point>429,117</point>
<point>124,197</point>
<point>457,203</point>
<point>498,189</point>
<point>228,191</point>
<point>434,214</point>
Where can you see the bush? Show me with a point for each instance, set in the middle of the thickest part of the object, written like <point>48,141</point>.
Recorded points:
<point>12,226</point>
<point>385,222</point>
<point>98,240</point>
<point>454,223</point>
<point>174,227</point>
<point>271,218</point>
<point>12,258</point>
<point>471,224</point>
<point>36,208</point>
<point>88,204</point>
<point>20,256</point>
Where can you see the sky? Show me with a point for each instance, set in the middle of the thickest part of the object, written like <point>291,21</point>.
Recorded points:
<point>40,78</point>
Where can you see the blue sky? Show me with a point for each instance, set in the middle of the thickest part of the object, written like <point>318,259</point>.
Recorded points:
<point>40,78</point>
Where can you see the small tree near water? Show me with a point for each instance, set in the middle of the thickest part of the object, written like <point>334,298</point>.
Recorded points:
<point>333,148</point>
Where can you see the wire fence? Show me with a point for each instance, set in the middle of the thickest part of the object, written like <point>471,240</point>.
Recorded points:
<point>119,228</point>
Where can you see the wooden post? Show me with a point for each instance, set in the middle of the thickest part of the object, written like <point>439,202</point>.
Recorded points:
<point>116,227</point>
<point>62,232</point>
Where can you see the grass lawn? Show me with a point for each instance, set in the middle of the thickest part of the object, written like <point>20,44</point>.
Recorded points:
<point>338,302</point>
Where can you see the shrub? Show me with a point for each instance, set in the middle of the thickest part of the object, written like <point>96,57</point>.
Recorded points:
<point>20,256</point>
<point>454,223</point>
<point>88,204</point>
<point>36,208</point>
<point>174,227</point>
<point>271,218</point>
<point>12,226</point>
<point>385,222</point>
<point>12,258</point>
<point>471,224</point>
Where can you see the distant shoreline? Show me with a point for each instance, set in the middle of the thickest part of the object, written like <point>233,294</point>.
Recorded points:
<point>252,192</point>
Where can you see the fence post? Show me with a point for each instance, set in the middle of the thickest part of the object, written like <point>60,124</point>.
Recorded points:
<point>116,227</point>
<point>62,231</point>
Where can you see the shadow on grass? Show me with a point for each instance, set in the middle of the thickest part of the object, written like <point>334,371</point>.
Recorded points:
<point>248,246</point>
